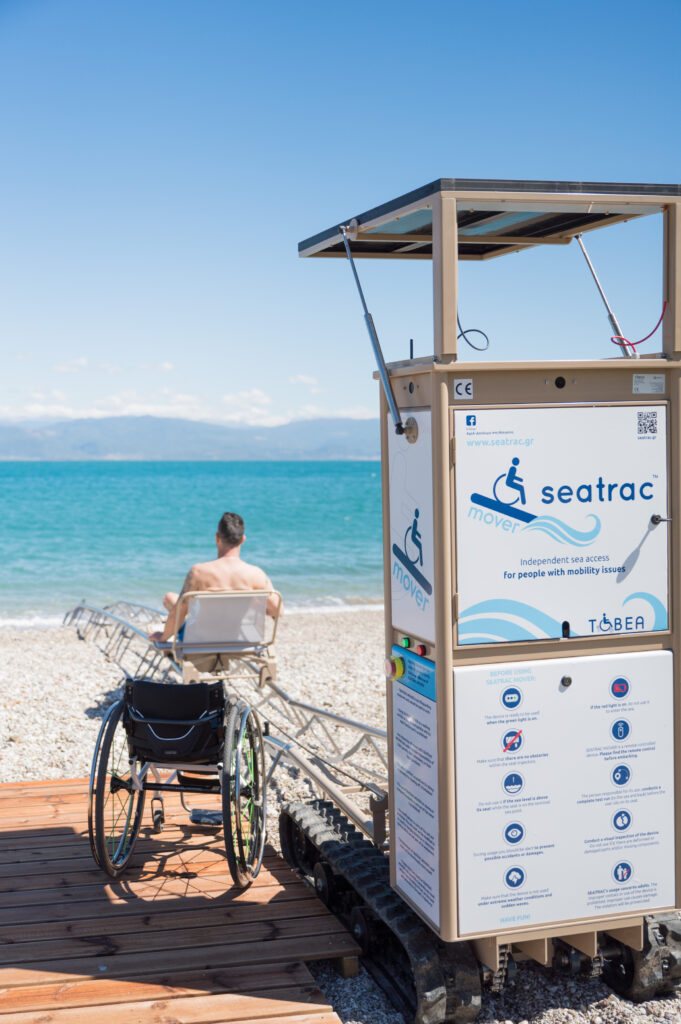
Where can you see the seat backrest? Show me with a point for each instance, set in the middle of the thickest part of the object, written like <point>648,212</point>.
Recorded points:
<point>233,617</point>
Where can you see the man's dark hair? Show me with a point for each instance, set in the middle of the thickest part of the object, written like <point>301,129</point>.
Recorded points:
<point>231,529</point>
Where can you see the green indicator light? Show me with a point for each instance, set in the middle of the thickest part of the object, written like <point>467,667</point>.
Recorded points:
<point>405,642</point>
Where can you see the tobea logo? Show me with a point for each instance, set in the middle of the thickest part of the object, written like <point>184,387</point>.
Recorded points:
<point>600,492</point>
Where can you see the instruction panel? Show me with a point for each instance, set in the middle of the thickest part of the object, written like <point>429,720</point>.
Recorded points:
<point>411,529</point>
<point>554,522</point>
<point>416,825</point>
<point>564,783</point>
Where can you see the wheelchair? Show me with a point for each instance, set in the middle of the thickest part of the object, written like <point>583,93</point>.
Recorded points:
<point>209,742</point>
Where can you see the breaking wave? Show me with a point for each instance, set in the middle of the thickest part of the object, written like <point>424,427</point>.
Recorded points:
<point>563,533</point>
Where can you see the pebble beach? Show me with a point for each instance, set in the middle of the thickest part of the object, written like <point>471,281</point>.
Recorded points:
<point>55,689</point>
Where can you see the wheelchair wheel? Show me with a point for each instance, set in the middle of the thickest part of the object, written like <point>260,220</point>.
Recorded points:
<point>93,787</point>
<point>118,807</point>
<point>243,793</point>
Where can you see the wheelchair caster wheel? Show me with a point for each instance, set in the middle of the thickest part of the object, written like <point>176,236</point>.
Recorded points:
<point>157,814</point>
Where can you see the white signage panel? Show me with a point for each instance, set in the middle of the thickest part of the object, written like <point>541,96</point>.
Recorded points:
<point>416,815</point>
<point>553,522</point>
<point>564,783</point>
<point>411,529</point>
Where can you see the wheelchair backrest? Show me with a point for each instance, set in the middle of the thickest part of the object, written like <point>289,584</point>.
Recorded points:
<point>233,617</point>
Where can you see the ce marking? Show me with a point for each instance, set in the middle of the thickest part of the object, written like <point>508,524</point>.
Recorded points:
<point>463,387</point>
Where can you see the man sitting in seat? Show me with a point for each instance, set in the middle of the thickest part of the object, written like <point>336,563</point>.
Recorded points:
<point>226,572</point>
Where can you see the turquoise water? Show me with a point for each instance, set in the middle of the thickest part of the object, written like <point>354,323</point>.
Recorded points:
<point>114,530</point>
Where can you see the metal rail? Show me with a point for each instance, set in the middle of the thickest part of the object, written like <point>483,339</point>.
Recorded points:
<point>344,758</point>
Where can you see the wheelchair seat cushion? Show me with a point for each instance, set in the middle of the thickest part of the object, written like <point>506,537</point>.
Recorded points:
<point>152,709</point>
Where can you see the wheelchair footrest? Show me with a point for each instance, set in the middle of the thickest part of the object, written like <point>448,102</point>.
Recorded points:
<point>201,817</point>
<point>210,783</point>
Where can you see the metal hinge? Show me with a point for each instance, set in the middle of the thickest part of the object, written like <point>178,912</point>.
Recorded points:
<point>452,451</point>
<point>455,607</point>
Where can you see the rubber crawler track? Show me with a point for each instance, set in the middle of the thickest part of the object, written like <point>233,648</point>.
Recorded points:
<point>445,977</point>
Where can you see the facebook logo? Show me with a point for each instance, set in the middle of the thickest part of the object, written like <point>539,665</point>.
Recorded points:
<point>470,421</point>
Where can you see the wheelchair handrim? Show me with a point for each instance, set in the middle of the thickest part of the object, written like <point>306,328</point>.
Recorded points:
<point>93,781</point>
<point>259,841</point>
<point>119,819</point>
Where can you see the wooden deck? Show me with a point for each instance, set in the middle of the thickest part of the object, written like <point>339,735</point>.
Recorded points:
<point>170,943</point>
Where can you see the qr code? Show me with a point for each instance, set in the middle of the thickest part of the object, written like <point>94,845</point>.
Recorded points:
<point>647,422</point>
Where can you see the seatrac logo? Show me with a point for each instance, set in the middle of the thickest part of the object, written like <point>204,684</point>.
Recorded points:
<point>506,506</point>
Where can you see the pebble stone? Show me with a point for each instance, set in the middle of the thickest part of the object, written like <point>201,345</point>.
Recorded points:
<point>54,692</point>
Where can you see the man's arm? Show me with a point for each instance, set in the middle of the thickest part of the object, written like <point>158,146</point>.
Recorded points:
<point>272,601</point>
<point>173,623</point>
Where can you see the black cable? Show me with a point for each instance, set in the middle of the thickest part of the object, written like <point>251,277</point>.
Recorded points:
<point>472,330</point>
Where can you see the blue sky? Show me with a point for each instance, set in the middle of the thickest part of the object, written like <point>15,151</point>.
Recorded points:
<point>162,159</point>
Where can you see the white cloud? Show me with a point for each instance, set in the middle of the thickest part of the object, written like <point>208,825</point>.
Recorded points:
<point>250,407</point>
<point>71,365</point>
<point>314,412</point>
<point>164,367</point>
<point>310,382</point>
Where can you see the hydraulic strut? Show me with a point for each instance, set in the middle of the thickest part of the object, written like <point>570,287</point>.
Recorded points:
<point>345,230</point>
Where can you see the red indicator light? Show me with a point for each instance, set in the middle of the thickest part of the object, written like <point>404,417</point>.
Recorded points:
<point>420,650</point>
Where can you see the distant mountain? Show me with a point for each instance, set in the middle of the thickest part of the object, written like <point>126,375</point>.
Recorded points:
<point>151,437</point>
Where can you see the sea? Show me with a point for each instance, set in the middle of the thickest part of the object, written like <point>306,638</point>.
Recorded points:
<point>100,532</point>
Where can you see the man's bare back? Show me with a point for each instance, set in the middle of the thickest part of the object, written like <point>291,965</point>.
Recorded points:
<point>226,572</point>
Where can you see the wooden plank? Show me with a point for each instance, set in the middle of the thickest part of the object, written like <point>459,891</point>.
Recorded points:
<point>199,928</point>
<point>142,873</point>
<point>93,991</point>
<point>160,888</point>
<point>45,848</point>
<point>108,945</point>
<point>50,843</point>
<point>102,907</point>
<point>196,1009</point>
<point>53,911</point>
<point>145,856</point>
<point>206,958</point>
<point>32,786</point>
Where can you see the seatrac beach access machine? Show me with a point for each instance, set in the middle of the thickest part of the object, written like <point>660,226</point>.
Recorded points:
<point>532,560</point>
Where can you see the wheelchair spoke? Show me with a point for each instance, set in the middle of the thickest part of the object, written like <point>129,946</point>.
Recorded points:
<point>118,806</point>
<point>243,798</point>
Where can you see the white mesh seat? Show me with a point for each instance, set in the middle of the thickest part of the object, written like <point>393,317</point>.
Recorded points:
<point>222,625</point>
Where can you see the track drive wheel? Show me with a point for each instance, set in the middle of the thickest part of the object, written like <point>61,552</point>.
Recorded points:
<point>117,817</point>
<point>243,792</point>
<point>655,970</point>
<point>295,847</point>
<point>324,882</point>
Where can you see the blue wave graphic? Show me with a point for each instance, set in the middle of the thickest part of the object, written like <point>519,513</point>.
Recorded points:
<point>485,628</point>
<point>661,620</point>
<point>563,533</point>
